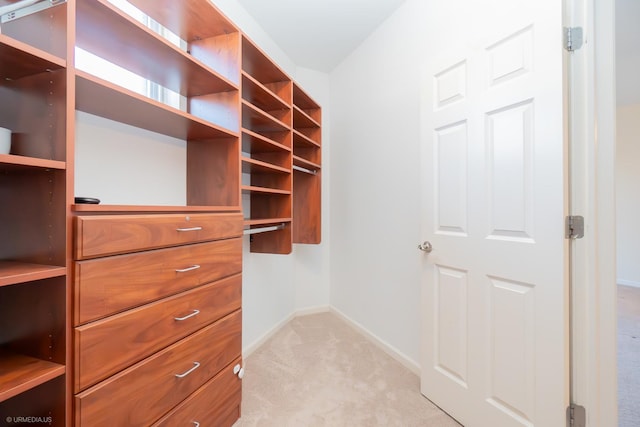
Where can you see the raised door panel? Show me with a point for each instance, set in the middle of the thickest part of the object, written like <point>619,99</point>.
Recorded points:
<point>107,346</point>
<point>113,234</point>
<point>450,145</point>
<point>216,404</point>
<point>146,391</point>
<point>105,286</point>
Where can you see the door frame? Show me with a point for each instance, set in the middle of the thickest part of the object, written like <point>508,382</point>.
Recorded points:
<point>593,186</point>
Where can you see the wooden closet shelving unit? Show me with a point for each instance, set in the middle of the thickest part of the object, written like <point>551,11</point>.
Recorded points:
<point>249,129</point>
<point>189,305</point>
<point>267,149</point>
<point>210,124</point>
<point>34,178</point>
<point>307,165</point>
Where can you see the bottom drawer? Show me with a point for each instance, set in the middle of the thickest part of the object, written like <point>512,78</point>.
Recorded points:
<point>215,404</point>
<point>143,393</point>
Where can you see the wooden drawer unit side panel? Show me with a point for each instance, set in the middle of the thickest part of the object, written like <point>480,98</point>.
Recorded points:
<point>113,234</point>
<point>143,393</point>
<point>107,346</point>
<point>216,404</point>
<point>105,286</point>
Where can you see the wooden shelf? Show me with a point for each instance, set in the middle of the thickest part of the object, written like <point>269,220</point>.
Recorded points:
<point>19,60</point>
<point>302,120</point>
<point>110,33</point>
<point>257,120</point>
<point>257,64</point>
<point>189,19</point>
<point>257,94</point>
<point>13,272</point>
<point>302,100</point>
<point>104,99</point>
<point>252,189</point>
<point>151,209</point>
<point>22,373</point>
<point>255,143</point>
<point>256,166</point>
<point>10,161</point>
<point>304,163</point>
<point>300,139</point>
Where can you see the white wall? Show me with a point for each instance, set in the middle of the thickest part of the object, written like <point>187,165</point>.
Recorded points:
<point>627,52</point>
<point>375,188</point>
<point>627,195</point>
<point>276,286</point>
<point>103,146</point>
<point>312,262</point>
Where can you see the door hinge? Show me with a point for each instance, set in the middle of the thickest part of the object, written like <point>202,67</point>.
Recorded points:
<point>576,416</point>
<point>574,227</point>
<point>572,38</point>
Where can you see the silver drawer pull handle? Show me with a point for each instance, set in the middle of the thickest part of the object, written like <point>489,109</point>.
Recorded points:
<point>196,365</point>
<point>189,229</point>
<point>195,313</point>
<point>184,270</point>
<point>196,424</point>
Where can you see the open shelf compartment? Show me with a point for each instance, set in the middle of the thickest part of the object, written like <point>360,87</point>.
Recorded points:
<point>14,272</point>
<point>19,60</point>
<point>22,373</point>
<point>102,98</point>
<point>180,71</point>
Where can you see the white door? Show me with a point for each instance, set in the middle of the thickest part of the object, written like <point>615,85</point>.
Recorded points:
<point>494,340</point>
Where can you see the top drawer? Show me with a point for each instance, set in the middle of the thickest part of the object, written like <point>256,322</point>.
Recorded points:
<point>99,235</point>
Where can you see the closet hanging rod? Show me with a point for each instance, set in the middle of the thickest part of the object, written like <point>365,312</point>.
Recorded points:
<point>25,7</point>
<point>264,229</point>
<point>301,169</point>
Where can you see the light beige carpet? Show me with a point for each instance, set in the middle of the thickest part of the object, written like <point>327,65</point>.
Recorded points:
<point>318,371</point>
<point>628,356</point>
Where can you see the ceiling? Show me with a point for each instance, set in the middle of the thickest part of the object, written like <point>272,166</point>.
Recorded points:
<point>319,34</point>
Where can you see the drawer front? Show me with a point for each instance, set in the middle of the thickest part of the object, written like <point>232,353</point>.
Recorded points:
<point>101,235</point>
<point>105,286</point>
<point>216,404</point>
<point>143,393</point>
<point>107,346</point>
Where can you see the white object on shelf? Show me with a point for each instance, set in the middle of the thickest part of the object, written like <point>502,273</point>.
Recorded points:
<point>5,141</point>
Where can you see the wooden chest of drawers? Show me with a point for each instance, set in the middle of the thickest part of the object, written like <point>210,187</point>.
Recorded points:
<point>157,315</point>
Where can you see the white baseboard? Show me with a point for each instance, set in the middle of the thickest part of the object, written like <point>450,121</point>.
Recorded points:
<point>380,343</point>
<point>625,282</point>
<point>246,352</point>
<point>313,310</point>
<point>383,345</point>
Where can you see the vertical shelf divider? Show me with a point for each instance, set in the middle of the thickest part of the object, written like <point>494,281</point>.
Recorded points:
<point>307,163</point>
<point>267,162</point>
